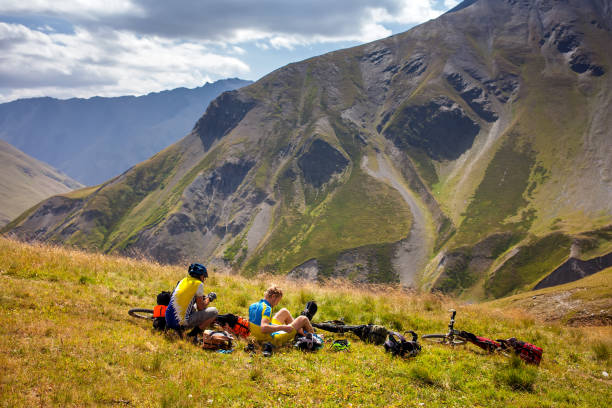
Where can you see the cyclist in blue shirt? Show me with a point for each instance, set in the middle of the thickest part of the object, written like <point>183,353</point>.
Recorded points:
<point>280,328</point>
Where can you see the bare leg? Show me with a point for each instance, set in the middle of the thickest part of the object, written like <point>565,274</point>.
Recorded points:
<point>283,316</point>
<point>211,313</point>
<point>301,323</point>
<point>207,323</point>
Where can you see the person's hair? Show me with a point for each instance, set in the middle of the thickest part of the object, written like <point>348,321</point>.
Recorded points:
<point>273,291</point>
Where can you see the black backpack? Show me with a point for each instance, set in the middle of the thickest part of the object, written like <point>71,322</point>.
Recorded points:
<point>159,312</point>
<point>163,298</point>
<point>397,344</point>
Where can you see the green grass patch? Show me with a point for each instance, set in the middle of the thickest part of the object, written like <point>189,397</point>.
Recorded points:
<point>602,350</point>
<point>500,194</point>
<point>517,375</point>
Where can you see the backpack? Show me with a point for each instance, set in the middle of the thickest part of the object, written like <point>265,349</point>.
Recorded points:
<point>397,344</point>
<point>159,311</point>
<point>373,333</point>
<point>236,324</point>
<point>526,351</point>
<point>216,340</point>
<point>482,342</point>
<point>163,298</point>
<point>309,342</point>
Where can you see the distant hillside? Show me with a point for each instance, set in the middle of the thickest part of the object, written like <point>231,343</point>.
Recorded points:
<point>25,181</point>
<point>95,139</point>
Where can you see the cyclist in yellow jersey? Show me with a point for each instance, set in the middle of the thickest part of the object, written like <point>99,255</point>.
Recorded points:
<point>189,293</point>
<point>280,328</point>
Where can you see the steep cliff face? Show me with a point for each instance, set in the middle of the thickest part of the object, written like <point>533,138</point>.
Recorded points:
<point>462,155</point>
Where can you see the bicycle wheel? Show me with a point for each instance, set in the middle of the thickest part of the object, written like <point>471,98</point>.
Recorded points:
<point>442,339</point>
<point>138,313</point>
<point>435,338</point>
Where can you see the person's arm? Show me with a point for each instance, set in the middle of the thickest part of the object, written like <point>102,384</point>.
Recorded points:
<point>267,327</point>
<point>202,302</point>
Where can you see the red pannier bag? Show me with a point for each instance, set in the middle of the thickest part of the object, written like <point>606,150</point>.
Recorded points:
<point>482,342</point>
<point>241,328</point>
<point>526,351</point>
<point>236,324</point>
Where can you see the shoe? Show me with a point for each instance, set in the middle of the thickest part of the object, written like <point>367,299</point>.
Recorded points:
<point>194,332</point>
<point>193,335</point>
<point>267,349</point>
<point>310,310</point>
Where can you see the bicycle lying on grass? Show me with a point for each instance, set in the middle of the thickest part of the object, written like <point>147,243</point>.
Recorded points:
<point>140,313</point>
<point>525,351</point>
<point>453,337</point>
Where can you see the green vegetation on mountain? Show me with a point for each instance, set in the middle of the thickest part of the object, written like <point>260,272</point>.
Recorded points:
<point>587,301</point>
<point>528,266</point>
<point>66,340</point>
<point>500,194</point>
<point>109,206</point>
<point>361,212</point>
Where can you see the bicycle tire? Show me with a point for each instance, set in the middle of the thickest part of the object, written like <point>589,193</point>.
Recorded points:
<point>140,313</point>
<point>441,339</point>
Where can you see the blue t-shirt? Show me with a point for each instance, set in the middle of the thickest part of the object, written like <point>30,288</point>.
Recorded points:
<point>258,310</point>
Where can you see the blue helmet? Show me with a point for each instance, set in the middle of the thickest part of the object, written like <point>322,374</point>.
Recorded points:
<point>196,270</point>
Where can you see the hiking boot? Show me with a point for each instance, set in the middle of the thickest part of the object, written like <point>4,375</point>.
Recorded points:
<point>249,348</point>
<point>193,334</point>
<point>310,310</point>
<point>267,349</point>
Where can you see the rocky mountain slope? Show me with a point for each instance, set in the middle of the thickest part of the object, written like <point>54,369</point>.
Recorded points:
<point>25,181</point>
<point>95,139</point>
<point>471,154</point>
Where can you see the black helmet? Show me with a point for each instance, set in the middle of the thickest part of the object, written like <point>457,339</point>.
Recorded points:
<point>196,270</point>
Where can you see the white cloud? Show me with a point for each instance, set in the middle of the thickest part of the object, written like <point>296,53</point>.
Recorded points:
<point>82,8</point>
<point>451,3</point>
<point>115,47</point>
<point>104,63</point>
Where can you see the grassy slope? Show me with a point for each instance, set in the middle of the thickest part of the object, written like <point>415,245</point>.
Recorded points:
<point>66,340</point>
<point>529,185</point>
<point>26,181</point>
<point>585,300</point>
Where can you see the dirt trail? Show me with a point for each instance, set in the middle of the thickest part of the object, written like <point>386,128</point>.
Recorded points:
<point>413,252</point>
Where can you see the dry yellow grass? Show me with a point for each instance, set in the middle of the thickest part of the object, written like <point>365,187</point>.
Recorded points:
<point>66,340</point>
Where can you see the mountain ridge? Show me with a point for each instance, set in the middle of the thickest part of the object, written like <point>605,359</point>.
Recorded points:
<point>97,138</point>
<point>492,117</point>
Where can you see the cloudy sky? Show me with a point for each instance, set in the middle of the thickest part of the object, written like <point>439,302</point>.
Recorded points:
<point>82,48</point>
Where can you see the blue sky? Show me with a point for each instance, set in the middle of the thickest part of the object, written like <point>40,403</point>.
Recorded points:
<point>82,48</point>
